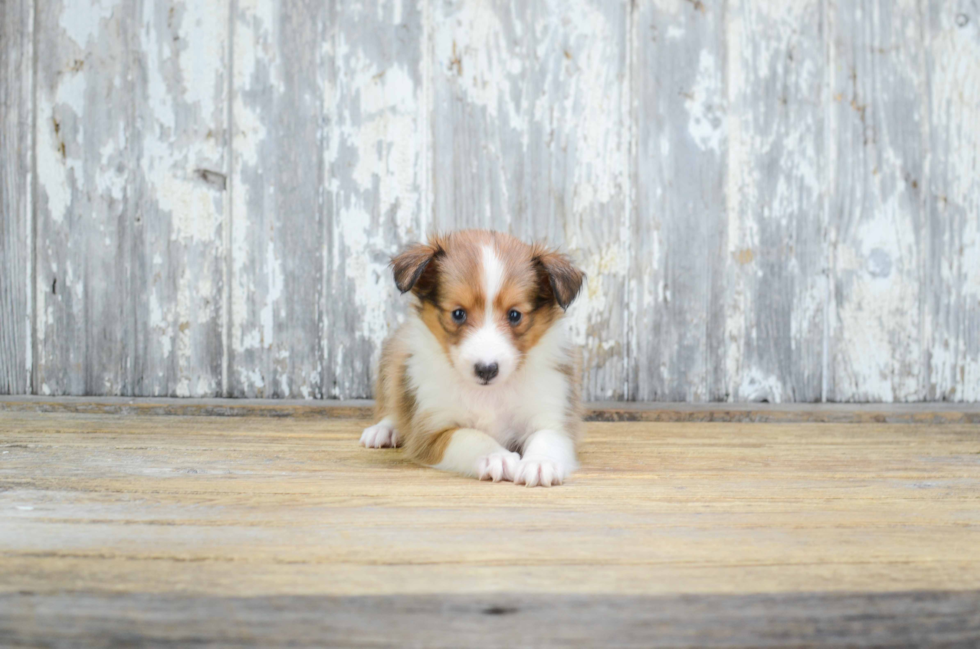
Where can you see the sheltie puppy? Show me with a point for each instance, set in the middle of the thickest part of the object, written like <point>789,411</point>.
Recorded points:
<point>479,380</point>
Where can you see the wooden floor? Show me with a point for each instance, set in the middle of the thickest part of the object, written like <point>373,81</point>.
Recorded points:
<point>174,531</point>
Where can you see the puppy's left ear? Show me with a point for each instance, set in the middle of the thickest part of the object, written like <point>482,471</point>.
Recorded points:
<point>561,277</point>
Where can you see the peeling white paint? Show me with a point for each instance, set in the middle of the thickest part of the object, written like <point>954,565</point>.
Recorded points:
<point>388,111</point>
<point>57,172</point>
<point>191,207</point>
<point>537,104</point>
<point>757,386</point>
<point>160,325</point>
<point>274,275</point>
<point>471,46</point>
<point>706,121</point>
<point>593,100</point>
<point>81,20</point>
<point>203,41</point>
<point>72,284</point>
<point>773,196</point>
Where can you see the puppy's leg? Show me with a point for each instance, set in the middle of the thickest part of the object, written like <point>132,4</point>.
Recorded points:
<point>476,454</point>
<point>381,435</point>
<point>549,458</point>
<point>390,370</point>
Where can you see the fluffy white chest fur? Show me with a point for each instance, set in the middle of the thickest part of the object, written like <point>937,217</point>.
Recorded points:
<point>534,398</point>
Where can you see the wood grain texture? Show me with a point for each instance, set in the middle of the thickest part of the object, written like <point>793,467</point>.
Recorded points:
<point>677,295</point>
<point>131,124</point>
<point>85,325</point>
<point>879,225</point>
<point>774,201</point>
<point>259,507</point>
<point>182,133</point>
<point>896,620</point>
<point>775,261</point>
<point>952,275</point>
<point>233,528</point>
<point>16,179</point>
<point>531,136</point>
<point>845,413</point>
<point>279,207</point>
<point>375,180</point>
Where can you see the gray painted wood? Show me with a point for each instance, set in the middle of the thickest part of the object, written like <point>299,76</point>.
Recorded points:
<point>677,295</point>
<point>329,160</point>
<point>131,123</point>
<point>531,136</point>
<point>86,619</point>
<point>85,129</point>
<point>952,272</point>
<point>279,209</point>
<point>16,227</point>
<point>773,200</point>
<point>878,225</point>
<point>375,181</point>
<point>775,259</point>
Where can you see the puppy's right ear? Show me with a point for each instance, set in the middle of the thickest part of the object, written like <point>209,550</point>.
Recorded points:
<point>412,268</point>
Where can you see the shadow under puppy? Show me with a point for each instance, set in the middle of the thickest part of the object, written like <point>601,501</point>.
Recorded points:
<point>479,379</point>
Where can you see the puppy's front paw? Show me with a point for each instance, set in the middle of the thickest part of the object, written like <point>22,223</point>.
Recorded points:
<point>381,435</point>
<point>541,473</point>
<point>497,466</point>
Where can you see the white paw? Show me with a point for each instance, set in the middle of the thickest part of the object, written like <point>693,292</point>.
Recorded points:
<point>381,435</point>
<point>541,473</point>
<point>497,466</point>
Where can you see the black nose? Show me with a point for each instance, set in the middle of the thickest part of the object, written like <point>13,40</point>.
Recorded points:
<point>486,372</point>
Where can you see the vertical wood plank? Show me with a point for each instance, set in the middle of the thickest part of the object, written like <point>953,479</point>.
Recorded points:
<point>130,131</point>
<point>952,291</point>
<point>878,221</point>
<point>85,135</point>
<point>775,262</point>
<point>181,122</point>
<point>278,211</point>
<point>531,135</point>
<point>679,225</point>
<point>375,181</point>
<point>16,161</point>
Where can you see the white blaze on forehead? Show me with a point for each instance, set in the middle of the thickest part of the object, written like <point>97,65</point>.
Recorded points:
<point>493,278</point>
<point>487,344</point>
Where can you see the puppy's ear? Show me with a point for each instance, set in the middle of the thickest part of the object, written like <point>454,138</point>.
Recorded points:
<point>558,276</point>
<point>412,268</point>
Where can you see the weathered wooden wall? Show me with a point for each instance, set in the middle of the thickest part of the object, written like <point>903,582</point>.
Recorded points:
<point>16,177</point>
<point>774,200</point>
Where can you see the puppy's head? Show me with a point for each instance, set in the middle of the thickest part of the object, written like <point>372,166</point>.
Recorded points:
<point>487,297</point>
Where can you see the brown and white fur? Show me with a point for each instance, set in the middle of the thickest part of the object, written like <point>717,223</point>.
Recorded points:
<point>482,395</point>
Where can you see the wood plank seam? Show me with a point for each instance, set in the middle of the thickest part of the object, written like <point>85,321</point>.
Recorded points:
<point>933,414</point>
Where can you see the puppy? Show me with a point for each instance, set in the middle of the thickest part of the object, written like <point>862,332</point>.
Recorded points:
<point>479,380</point>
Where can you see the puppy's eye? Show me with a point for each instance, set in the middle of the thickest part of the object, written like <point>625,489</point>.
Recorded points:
<point>459,316</point>
<point>514,316</point>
